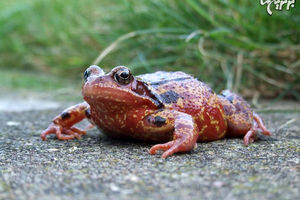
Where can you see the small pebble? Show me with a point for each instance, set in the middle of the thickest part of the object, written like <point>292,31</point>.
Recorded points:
<point>13,123</point>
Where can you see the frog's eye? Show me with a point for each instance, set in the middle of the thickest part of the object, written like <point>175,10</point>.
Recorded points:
<point>123,76</point>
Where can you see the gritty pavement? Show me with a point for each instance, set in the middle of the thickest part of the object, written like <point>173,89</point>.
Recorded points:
<point>97,167</point>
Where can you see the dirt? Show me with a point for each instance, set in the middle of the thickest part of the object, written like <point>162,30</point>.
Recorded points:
<point>97,167</point>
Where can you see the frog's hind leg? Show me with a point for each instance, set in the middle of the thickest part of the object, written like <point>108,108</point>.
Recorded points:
<point>185,132</point>
<point>241,119</point>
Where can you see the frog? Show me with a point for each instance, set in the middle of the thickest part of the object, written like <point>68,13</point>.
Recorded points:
<point>173,110</point>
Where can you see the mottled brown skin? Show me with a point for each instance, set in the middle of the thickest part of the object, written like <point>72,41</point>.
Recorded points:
<point>170,107</point>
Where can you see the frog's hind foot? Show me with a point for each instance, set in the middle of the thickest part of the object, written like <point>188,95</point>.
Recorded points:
<point>62,133</point>
<point>250,135</point>
<point>178,145</point>
<point>260,124</point>
<point>168,147</point>
<point>257,124</point>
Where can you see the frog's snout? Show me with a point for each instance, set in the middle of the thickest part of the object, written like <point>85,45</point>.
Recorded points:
<point>93,70</point>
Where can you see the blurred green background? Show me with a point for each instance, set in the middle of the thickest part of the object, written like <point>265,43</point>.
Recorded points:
<point>47,44</point>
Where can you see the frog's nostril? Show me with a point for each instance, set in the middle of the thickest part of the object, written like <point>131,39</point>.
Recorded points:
<point>86,74</point>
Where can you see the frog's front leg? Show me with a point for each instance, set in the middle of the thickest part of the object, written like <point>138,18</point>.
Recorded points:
<point>185,131</point>
<point>62,125</point>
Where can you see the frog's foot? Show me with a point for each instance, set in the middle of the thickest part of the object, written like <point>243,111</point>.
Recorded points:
<point>185,131</point>
<point>172,147</point>
<point>257,125</point>
<point>250,136</point>
<point>62,133</point>
<point>163,147</point>
<point>261,125</point>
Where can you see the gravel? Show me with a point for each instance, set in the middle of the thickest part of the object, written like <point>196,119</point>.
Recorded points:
<point>98,167</point>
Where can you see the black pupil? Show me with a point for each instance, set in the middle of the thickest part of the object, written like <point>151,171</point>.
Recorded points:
<point>124,75</point>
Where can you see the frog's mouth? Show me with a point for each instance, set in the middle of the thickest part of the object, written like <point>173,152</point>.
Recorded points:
<point>102,93</point>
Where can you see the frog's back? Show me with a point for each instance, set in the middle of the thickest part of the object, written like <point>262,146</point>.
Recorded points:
<point>178,90</point>
<point>182,92</point>
<point>161,77</point>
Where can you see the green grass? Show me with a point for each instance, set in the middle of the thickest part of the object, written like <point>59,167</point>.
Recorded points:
<point>38,82</point>
<point>227,43</point>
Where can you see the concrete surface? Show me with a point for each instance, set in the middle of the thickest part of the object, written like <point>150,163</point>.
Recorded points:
<point>97,167</point>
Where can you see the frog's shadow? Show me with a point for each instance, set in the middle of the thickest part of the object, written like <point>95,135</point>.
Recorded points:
<point>259,137</point>
<point>101,138</point>
<point>104,139</point>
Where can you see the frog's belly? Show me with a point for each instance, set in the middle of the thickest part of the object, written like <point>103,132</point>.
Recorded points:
<point>208,131</point>
<point>120,131</point>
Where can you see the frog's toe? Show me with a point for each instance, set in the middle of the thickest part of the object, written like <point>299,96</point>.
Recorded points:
<point>69,134</point>
<point>79,131</point>
<point>61,136</point>
<point>62,133</point>
<point>260,124</point>
<point>250,135</point>
<point>73,131</point>
<point>172,147</point>
<point>52,129</point>
<point>162,147</point>
<point>175,148</point>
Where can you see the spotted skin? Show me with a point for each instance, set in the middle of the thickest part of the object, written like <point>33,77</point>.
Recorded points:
<point>62,125</point>
<point>241,120</point>
<point>169,107</point>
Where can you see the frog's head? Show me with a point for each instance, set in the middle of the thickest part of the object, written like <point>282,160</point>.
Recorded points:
<point>117,88</point>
